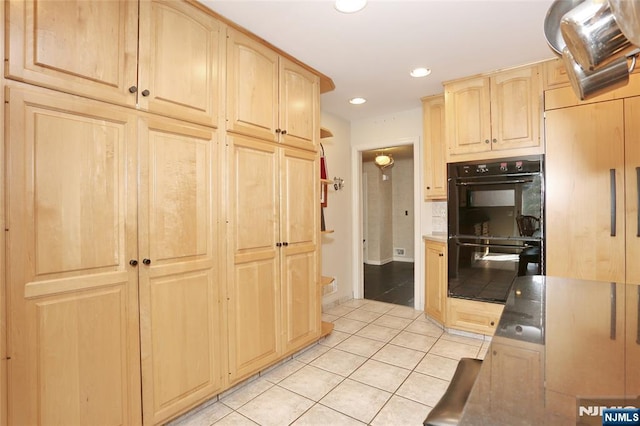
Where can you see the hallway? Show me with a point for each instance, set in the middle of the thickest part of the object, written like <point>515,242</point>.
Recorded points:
<point>392,282</point>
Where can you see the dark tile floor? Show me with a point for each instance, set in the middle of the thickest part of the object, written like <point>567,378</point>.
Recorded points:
<point>392,283</point>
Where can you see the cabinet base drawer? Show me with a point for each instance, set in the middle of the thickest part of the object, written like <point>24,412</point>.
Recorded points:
<point>473,316</point>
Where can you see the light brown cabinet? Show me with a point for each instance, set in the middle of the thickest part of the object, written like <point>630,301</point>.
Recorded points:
<point>511,358</point>
<point>597,187</point>
<point>269,96</point>
<point>435,279</point>
<point>274,279</point>
<point>494,115</point>
<point>73,308</point>
<point>473,316</point>
<point>120,201</point>
<point>434,148</point>
<point>179,239</point>
<point>127,262</point>
<point>161,56</point>
<point>597,312</point>
<point>586,201</point>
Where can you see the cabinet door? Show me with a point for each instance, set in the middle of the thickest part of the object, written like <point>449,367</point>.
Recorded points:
<point>299,229</point>
<point>599,313</point>
<point>467,116</point>
<point>73,308</point>
<point>82,47</point>
<point>632,372</point>
<point>252,87</point>
<point>436,279</point>
<point>299,105</point>
<point>253,279</point>
<point>585,166</point>
<point>435,173</point>
<point>516,108</point>
<point>509,361</point>
<point>632,187</point>
<point>179,61</point>
<point>179,266</point>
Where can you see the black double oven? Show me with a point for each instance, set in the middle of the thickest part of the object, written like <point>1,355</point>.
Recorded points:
<point>495,225</point>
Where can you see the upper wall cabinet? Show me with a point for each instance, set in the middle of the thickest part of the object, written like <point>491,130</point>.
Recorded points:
<point>495,115</point>
<point>269,96</point>
<point>168,65</point>
<point>435,173</point>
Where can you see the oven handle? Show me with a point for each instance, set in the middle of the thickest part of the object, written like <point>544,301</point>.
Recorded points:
<point>489,245</point>
<point>494,182</point>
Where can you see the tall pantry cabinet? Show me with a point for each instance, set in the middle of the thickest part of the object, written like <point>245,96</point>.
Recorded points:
<point>273,126</point>
<point>153,258</point>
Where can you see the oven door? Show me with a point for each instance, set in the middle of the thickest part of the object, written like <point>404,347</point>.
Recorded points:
<point>488,245</point>
<point>483,268</point>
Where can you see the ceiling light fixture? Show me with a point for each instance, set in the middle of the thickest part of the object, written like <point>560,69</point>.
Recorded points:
<point>357,101</point>
<point>384,160</point>
<point>350,6</point>
<point>420,72</point>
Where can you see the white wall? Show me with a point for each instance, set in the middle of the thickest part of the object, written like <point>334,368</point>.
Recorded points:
<point>337,247</point>
<point>402,181</point>
<point>379,235</point>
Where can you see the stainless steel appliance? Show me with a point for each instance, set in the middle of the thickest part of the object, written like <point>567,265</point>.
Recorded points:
<point>495,225</point>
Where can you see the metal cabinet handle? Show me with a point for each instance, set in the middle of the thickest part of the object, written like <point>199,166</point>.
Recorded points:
<point>278,244</point>
<point>285,244</point>
<point>638,201</point>
<point>487,141</point>
<point>133,262</point>
<point>133,89</point>
<point>612,333</point>
<point>145,92</point>
<point>494,140</point>
<point>284,132</point>
<point>441,254</point>
<point>612,178</point>
<point>638,325</point>
<point>278,130</point>
<point>146,261</point>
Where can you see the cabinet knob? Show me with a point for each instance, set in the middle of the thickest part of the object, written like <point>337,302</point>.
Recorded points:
<point>278,130</point>
<point>278,244</point>
<point>442,255</point>
<point>133,89</point>
<point>428,187</point>
<point>145,92</point>
<point>146,261</point>
<point>494,139</point>
<point>133,262</point>
<point>487,141</point>
<point>493,323</point>
<point>285,244</point>
<point>284,132</point>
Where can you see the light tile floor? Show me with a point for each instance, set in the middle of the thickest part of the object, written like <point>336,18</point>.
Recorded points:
<point>382,365</point>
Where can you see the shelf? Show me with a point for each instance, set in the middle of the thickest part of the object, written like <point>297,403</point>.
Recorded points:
<point>325,133</point>
<point>326,329</point>
<point>328,231</point>
<point>326,280</point>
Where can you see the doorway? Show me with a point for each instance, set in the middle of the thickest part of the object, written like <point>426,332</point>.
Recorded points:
<point>388,226</point>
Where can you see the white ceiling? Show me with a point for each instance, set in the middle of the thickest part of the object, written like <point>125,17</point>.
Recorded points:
<point>370,53</point>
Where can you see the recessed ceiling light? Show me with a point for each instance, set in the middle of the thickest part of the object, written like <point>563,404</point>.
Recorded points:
<point>420,72</point>
<point>357,101</point>
<point>350,6</point>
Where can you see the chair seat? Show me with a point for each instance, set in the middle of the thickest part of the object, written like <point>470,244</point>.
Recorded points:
<point>448,410</point>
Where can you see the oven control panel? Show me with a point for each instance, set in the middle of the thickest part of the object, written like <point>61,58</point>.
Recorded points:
<point>500,167</point>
